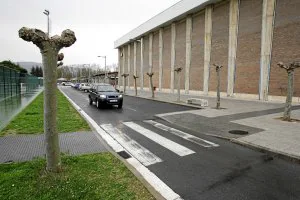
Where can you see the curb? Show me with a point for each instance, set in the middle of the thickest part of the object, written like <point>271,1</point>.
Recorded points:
<point>274,153</point>
<point>164,101</point>
<point>278,154</point>
<point>154,185</point>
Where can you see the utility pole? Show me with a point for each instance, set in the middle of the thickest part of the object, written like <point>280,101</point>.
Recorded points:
<point>105,72</point>
<point>47,12</point>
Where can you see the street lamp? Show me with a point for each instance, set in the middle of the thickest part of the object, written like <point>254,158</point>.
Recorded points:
<point>47,12</point>
<point>105,72</point>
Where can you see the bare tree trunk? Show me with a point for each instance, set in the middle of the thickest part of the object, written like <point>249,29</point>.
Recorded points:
<point>49,56</point>
<point>289,96</point>
<point>151,85</point>
<point>218,90</point>
<point>178,86</point>
<point>125,82</point>
<point>135,86</point>
<point>49,48</point>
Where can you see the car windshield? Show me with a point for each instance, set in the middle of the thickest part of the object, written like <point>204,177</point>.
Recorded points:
<point>105,88</point>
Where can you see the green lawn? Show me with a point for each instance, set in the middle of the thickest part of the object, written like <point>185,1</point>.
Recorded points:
<point>94,176</point>
<point>30,120</point>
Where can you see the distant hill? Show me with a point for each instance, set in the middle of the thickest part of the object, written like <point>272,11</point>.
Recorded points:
<point>29,65</point>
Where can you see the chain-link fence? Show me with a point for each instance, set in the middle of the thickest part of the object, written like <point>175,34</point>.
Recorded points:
<point>14,83</point>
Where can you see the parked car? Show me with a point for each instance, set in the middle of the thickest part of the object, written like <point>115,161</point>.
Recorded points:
<point>105,94</point>
<point>85,87</point>
<point>76,86</point>
<point>66,83</point>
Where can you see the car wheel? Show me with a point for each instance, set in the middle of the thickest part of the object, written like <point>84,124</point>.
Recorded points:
<point>85,90</point>
<point>90,101</point>
<point>98,104</point>
<point>120,105</point>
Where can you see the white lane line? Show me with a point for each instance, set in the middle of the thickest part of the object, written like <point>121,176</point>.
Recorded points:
<point>135,149</point>
<point>149,176</point>
<point>169,144</point>
<point>130,109</point>
<point>184,135</point>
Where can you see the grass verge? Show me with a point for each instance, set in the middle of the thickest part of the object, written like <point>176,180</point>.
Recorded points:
<point>30,120</point>
<point>94,176</point>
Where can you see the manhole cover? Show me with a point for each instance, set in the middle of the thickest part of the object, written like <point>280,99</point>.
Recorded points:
<point>124,154</point>
<point>238,132</point>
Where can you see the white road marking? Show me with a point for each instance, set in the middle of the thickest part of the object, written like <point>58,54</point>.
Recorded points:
<point>130,109</point>
<point>149,176</point>
<point>169,144</point>
<point>182,134</point>
<point>135,149</point>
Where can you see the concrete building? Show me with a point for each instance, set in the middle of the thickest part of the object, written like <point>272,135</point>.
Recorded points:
<point>247,37</point>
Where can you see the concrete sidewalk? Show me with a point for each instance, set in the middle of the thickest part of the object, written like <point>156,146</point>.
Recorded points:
<point>266,131</point>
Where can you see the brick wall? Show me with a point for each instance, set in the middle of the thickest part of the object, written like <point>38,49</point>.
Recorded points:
<point>219,52</point>
<point>146,60</point>
<point>286,46</point>
<point>197,57</point>
<point>166,60</point>
<point>155,60</point>
<point>248,48</point>
<point>180,51</point>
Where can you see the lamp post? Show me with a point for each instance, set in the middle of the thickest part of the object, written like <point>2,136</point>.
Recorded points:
<point>105,72</point>
<point>47,12</point>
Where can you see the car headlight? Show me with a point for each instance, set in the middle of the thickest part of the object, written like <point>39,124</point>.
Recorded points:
<point>120,96</point>
<point>103,96</point>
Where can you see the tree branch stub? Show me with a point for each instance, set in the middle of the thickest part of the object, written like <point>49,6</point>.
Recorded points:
<point>218,67</point>
<point>150,74</point>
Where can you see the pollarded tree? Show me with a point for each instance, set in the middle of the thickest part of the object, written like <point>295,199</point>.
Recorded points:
<point>290,69</point>
<point>49,48</point>
<point>150,74</point>
<point>178,70</point>
<point>135,85</point>
<point>218,68</point>
<point>125,82</point>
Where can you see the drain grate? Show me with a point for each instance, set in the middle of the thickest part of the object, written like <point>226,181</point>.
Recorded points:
<point>238,132</point>
<point>124,154</point>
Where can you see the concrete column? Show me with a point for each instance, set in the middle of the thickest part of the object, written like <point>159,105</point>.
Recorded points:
<point>150,52</point>
<point>207,47</point>
<point>150,56</point>
<point>188,52</point>
<point>268,17</point>
<point>134,58</point>
<point>123,80</point>
<point>160,46</point>
<point>119,67</point>
<point>232,46</point>
<point>142,65</point>
<point>128,77</point>
<point>173,41</point>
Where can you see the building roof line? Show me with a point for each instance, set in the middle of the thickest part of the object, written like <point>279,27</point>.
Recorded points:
<point>176,12</point>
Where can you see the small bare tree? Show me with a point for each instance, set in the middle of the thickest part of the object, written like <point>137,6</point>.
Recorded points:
<point>135,85</point>
<point>49,48</point>
<point>125,82</point>
<point>150,74</point>
<point>218,69</point>
<point>290,69</point>
<point>178,70</point>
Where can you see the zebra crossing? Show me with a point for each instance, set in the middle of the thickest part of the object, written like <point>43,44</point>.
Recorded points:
<point>145,156</point>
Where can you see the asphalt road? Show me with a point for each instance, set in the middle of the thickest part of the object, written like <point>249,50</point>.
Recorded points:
<point>194,165</point>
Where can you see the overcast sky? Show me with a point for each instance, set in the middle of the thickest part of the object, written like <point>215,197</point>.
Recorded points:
<point>96,23</point>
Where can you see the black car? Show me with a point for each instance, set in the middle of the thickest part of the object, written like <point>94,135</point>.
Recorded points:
<point>105,94</point>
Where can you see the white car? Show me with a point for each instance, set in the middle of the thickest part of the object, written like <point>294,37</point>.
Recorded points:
<point>66,83</point>
<point>85,87</point>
